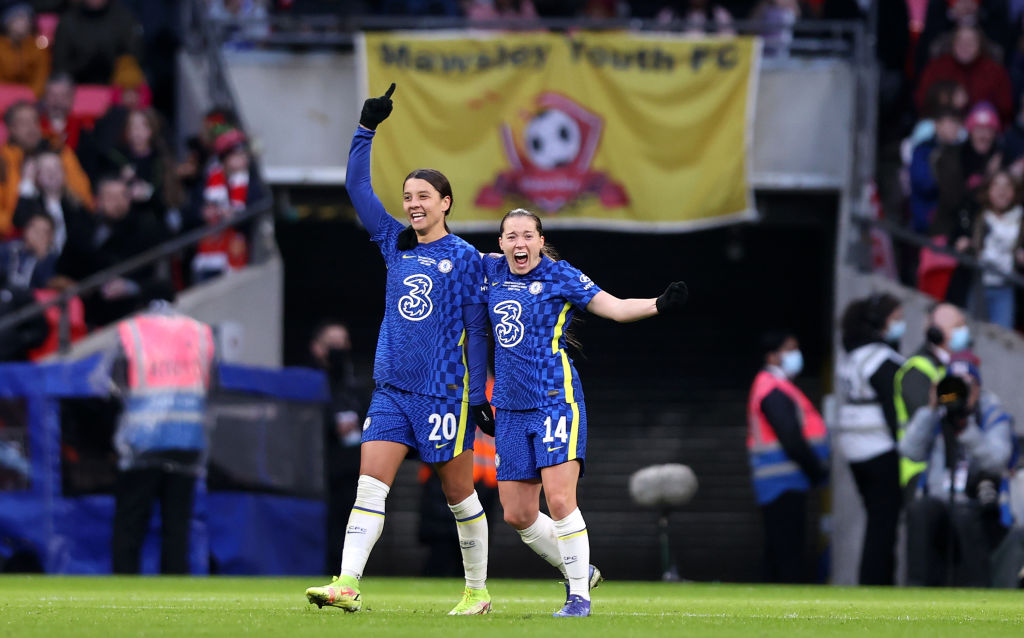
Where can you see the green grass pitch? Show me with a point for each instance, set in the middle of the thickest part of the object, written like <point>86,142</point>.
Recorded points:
<point>79,607</point>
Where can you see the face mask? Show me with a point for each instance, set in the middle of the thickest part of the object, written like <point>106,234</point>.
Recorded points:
<point>337,361</point>
<point>896,331</point>
<point>792,362</point>
<point>960,339</point>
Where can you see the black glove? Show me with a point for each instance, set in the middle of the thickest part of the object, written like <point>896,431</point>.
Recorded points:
<point>377,109</point>
<point>483,415</point>
<point>673,299</point>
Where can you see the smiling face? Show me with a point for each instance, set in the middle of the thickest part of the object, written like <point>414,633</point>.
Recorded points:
<point>425,208</point>
<point>521,242</point>
<point>1001,192</point>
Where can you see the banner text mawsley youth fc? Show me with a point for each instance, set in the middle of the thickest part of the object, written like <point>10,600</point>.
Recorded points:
<point>599,130</point>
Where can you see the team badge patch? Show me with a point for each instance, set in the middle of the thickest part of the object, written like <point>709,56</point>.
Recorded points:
<point>366,424</point>
<point>445,266</point>
<point>497,460</point>
<point>536,287</point>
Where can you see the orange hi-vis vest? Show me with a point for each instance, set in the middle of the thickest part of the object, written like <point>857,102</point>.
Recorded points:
<point>169,359</point>
<point>773,471</point>
<point>484,469</point>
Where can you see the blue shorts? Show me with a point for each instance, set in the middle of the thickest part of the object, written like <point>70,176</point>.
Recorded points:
<point>436,427</point>
<point>528,440</point>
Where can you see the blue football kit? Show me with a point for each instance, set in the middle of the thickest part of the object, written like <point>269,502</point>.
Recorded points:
<point>430,364</point>
<point>541,418</point>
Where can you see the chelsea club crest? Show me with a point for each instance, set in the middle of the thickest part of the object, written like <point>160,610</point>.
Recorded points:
<point>445,266</point>
<point>536,287</point>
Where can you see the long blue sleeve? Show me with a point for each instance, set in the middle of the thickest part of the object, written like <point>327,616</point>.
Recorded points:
<point>474,317</point>
<point>357,182</point>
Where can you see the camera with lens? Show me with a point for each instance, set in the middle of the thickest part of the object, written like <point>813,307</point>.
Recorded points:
<point>953,394</point>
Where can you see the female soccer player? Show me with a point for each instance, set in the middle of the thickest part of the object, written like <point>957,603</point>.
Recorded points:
<point>541,420</point>
<point>430,367</point>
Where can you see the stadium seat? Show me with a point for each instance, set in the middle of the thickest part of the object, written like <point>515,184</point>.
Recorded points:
<point>11,93</point>
<point>92,101</point>
<point>52,314</point>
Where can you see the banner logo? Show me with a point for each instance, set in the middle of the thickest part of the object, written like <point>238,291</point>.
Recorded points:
<point>550,164</point>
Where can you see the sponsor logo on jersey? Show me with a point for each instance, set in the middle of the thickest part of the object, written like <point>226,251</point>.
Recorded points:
<point>584,278</point>
<point>497,460</point>
<point>555,449</point>
<point>355,529</point>
<point>416,305</point>
<point>366,424</point>
<point>509,331</point>
<point>438,446</point>
<point>445,266</point>
<point>536,287</point>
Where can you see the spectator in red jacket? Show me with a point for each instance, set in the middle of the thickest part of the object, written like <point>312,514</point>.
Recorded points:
<point>986,80</point>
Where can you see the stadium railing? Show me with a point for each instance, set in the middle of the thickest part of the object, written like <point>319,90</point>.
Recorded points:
<point>202,36</point>
<point>831,38</point>
<point>861,255</point>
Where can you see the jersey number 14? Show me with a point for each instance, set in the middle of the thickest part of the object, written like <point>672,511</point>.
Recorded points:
<point>559,430</point>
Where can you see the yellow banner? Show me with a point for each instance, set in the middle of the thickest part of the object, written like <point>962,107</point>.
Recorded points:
<point>628,131</point>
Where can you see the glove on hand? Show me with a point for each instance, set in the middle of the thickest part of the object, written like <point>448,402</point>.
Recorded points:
<point>377,109</point>
<point>483,415</point>
<point>673,299</point>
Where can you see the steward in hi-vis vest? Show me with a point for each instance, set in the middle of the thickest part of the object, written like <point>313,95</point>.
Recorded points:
<point>164,369</point>
<point>788,448</point>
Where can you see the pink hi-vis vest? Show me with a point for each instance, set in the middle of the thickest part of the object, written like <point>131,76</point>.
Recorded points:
<point>169,359</point>
<point>167,352</point>
<point>773,471</point>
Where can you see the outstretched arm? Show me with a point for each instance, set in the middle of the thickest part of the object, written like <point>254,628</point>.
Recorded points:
<point>622,310</point>
<point>626,310</point>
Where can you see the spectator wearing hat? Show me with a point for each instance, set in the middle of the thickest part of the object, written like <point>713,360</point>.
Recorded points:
<point>22,59</point>
<point>966,438</point>
<point>983,151</point>
<point>985,79</point>
<point>960,176</point>
<point>226,195</point>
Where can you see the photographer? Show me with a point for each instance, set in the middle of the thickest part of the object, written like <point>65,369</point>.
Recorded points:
<point>966,438</point>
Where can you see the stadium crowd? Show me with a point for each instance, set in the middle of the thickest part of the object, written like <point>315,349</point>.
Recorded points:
<point>88,177</point>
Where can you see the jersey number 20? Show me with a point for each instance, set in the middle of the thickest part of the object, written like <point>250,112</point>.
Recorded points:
<point>443,425</point>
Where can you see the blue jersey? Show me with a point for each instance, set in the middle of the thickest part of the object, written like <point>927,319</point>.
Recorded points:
<point>530,314</point>
<point>431,290</point>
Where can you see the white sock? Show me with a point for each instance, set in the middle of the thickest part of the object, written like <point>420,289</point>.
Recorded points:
<point>364,525</point>
<point>540,537</point>
<point>472,524</point>
<point>575,547</point>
